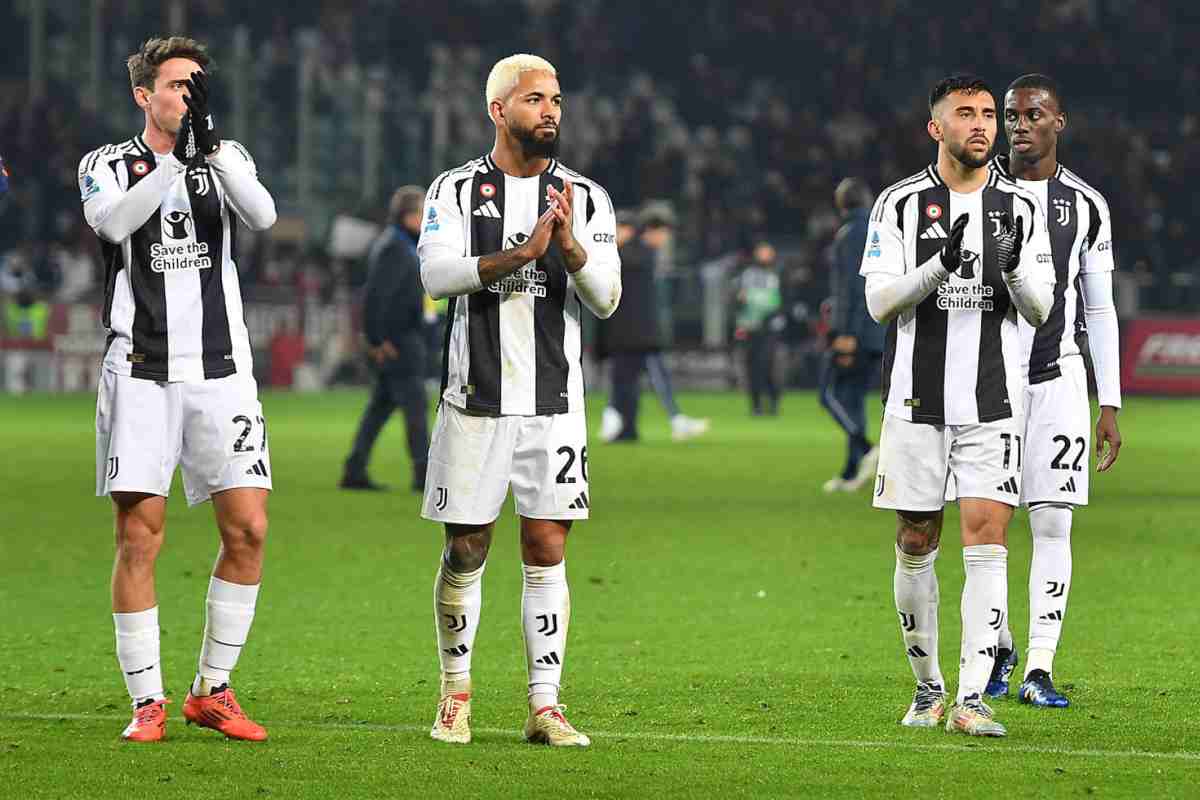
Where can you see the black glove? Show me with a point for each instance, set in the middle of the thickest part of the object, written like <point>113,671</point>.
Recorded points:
<point>207,140</point>
<point>183,139</point>
<point>952,249</point>
<point>1008,243</point>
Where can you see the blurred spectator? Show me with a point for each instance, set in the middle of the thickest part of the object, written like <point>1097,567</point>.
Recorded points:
<point>394,324</point>
<point>632,337</point>
<point>759,324</point>
<point>856,341</point>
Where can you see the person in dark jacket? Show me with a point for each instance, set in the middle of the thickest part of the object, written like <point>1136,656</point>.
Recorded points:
<point>856,340</point>
<point>632,337</point>
<point>395,329</point>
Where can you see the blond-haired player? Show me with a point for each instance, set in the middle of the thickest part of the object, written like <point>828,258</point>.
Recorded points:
<point>519,243</point>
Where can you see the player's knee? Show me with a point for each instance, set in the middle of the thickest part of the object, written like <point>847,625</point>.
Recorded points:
<point>138,541</point>
<point>246,534</point>
<point>466,552</point>
<point>1051,521</point>
<point>985,531</point>
<point>918,534</point>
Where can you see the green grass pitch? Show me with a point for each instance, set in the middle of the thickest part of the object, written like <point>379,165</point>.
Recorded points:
<point>733,633</point>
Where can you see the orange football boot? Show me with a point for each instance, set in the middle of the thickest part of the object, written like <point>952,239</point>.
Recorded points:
<point>221,712</point>
<point>149,723</point>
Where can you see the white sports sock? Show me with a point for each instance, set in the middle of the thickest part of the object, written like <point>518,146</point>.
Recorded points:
<point>230,612</point>
<point>1049,582</point>
<point>545,614</point>
<point>1005,639</point>
<point>138,654</point>
<point>457,599</point>
<point>984,608</point>
<point>916,589</point>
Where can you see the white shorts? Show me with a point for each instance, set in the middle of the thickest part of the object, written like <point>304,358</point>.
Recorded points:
<point>474,459</point>
<point>1058,435</point>
<point>214,430</point>
<point>920,465</point>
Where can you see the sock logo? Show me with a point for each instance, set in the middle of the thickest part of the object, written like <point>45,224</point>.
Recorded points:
<point>916,652</point>
<point>461,650</point>
<point>456,624</point>
<point>997,619</point>
<point>990,652</point>
<point>548,660</point>
<point>140,671</point>
<point>908,622</point>
<point>549,625</point>
<point>443,497</point>
<point>1053,616</point>
<point>1055,589</point>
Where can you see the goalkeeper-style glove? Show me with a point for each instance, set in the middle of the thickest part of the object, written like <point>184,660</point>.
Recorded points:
<point>205,133</point>
<point>1008,243</point>
<point>952,250</point>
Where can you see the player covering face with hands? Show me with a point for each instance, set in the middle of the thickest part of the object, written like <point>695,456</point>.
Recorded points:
<point>177,386</point>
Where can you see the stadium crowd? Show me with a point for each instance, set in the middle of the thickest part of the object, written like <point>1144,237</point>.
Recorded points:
<point>744,116</point>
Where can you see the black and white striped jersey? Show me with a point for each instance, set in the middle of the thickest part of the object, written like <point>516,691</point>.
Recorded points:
<point>172,301</point>
<point>514,348</point>
<point>953,359</point>
<point>1081,243</point>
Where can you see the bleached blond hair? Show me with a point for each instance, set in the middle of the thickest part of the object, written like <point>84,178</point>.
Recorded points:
<point>507,73</point>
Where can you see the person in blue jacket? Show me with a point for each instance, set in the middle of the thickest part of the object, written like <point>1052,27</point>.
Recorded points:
<point>856,341</point>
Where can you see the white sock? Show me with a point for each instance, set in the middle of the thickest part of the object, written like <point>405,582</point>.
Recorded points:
<point>230,612</point>
<point>1005,639</point>
<point>138,654</point>
<point>545,614</point>
<point>1049,582</point>
<point>457,599</point>
<point>916,589</point>
<point>984,609</point>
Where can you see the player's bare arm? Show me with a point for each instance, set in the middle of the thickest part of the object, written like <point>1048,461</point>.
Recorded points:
<point>495,266</point>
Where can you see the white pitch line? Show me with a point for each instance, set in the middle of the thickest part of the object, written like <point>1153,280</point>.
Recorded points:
<point>686,738</point>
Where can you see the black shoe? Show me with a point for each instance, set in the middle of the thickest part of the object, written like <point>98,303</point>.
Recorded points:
<point>363,483</point>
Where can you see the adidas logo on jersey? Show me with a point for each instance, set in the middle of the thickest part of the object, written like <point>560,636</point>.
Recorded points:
<point>488,209</point>
<point>1009,486</point>
<point>1069,486</point>
<point>580,502</point>
<point>934,231</point>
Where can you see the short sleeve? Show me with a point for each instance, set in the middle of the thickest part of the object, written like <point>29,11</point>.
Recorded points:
<point>242,153</point>
<point>884,250</point>
<point>1097,255</point>
<point>99,189</point>
<point>599,225</point>
<point>442,223</point>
